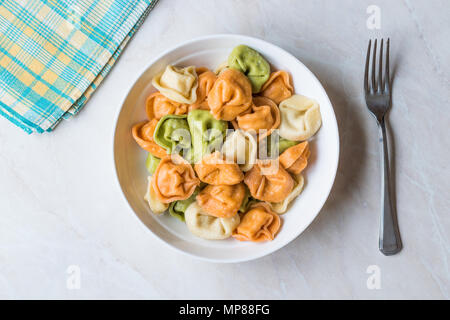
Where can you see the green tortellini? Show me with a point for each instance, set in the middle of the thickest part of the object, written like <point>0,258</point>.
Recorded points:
<point>151,163</point>
<point>282,144</point>
<point>177,208</point>
<point>207,133</point>
<point>250,63</point>
<point>172,133</point>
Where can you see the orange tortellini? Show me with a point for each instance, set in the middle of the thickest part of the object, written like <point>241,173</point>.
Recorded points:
<point>263,118</point>
<point>158,105</point>
<point>143,134</point>
<point>295,158</point>
<point>174,179</point>
<point>281,207</point>
<point>269,181</point>
<point>278,87</point>
<point>221,201</point>
<point>206,79</point>
<point>259,224</point>
<point>230,96</point>
<point>213,169</point>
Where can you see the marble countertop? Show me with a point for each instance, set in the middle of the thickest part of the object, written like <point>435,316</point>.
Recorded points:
<point>62,218</point>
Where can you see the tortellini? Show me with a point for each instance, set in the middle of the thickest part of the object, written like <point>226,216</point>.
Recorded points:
<point>230,96</point>
<point>172,133</point>
<point>208,227</point>
<point>295,159</point>
<point>177,208</point>
<point>158,105</point>
<point>250,63</point>
<point>206,79</point>
<point>213,169</point>
<point>177,84</point>
<point>226,184</point>
<point>268,181</point>
<point>281,207</point>
<point>207,133</point>
<point>300,118</point>
<point>157,206</point>
<point>174,179</point>
<point>240,147</point>
<point>258,224</point>
<point>143,134</point>
<point>278,87</point>
<point>152,163</point>
<point>263,118</point>
<point>222,201</point>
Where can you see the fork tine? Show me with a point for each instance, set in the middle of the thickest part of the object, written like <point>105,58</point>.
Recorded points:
<point>387,80</point>
<point>366,72</point>
<point>374,58</point>
<point>380,69</point>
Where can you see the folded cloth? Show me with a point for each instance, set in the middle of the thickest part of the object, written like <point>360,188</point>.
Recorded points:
<point>54,54</point>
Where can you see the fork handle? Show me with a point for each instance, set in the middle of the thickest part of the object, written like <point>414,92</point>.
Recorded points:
<point>389,242</point>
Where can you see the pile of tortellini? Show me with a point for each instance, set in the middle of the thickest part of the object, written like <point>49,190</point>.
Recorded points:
<point>226,149</point>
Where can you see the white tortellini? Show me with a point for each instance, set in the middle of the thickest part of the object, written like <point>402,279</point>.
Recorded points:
<point>177,84</point>
<point>241,148</point>
<point>281,207</point>
<point>300,118</point>
<point>157,206</point>
<point>208,227</point>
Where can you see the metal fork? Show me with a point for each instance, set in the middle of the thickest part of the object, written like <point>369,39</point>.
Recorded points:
<point>378,100</point>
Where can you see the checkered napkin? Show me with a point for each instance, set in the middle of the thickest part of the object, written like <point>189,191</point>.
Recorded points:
<point>54,54</point>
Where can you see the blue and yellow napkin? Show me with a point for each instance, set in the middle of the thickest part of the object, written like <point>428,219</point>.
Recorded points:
<point>54,54</point>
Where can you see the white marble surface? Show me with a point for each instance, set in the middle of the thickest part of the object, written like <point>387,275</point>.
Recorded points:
<point>60,205</point>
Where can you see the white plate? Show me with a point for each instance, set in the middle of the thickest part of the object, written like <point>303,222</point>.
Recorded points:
<point>129,159</point>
